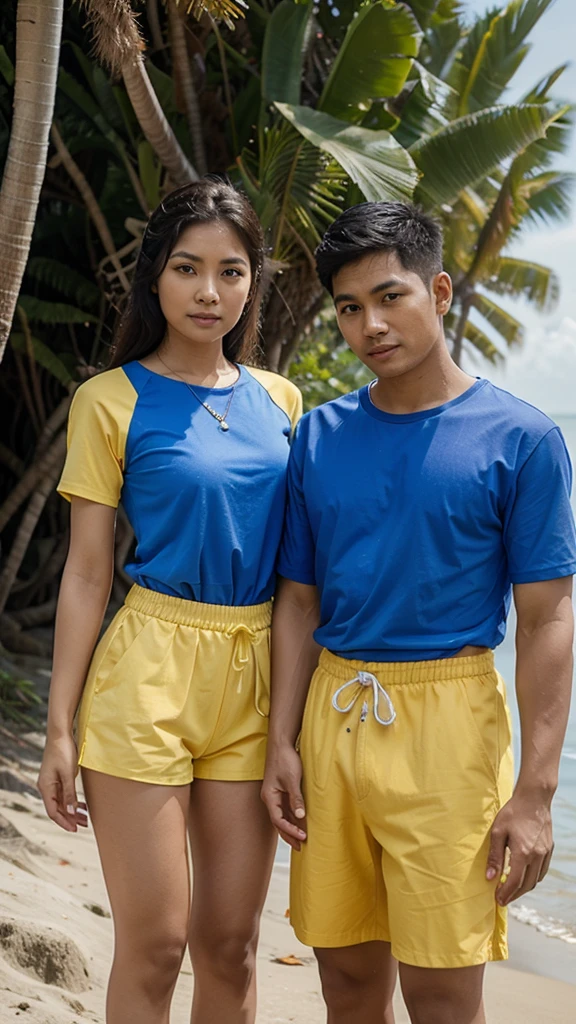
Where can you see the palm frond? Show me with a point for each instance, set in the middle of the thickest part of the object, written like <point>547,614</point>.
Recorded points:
<point>517,278</point>
<point>116,32</point>
<point>296,188</point>
<point>494,50</point>
<point>466,150</point>
<point>44,356</point>
<point>482,343</point>
<point>507,326</point>
<point>63,278</point>
<point>549,197</point>
<point>221,10</point>
<point>38,310</point>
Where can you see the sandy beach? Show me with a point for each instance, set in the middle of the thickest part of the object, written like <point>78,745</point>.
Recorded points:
<point>56,932</point>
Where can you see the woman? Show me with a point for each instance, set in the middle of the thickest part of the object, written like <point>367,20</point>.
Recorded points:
<point>173,716</point>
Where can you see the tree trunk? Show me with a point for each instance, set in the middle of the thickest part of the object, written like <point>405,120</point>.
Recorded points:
<point>92,206</point>
<point>153,122</point>
<point>38,31</point>
<point>294,299</point>
<point>185,80</point>
<point>28,525</point>
<point>461,327</point>
<point>154,24</point>
<point>54,456</point>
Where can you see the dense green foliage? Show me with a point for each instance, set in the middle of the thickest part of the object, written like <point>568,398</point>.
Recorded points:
<point>309,108</point>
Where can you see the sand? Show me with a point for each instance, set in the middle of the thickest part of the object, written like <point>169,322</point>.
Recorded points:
<point>56,931</point>
<point>52,892</point>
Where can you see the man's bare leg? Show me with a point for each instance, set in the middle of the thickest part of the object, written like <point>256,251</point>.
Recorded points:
<point>358,983</point>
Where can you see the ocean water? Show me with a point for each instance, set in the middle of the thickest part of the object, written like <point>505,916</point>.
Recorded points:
<point>551,907</point>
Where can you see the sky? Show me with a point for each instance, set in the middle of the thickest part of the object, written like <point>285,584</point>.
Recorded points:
<point>543,371</point>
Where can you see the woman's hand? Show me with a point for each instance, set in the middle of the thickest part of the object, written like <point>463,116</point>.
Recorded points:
<point>57,783</point>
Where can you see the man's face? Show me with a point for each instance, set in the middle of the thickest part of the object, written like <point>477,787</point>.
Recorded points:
<point>390,319</point>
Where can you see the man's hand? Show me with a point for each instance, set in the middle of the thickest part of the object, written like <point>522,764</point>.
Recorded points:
<point>524,826</point>
<point>282,794</point>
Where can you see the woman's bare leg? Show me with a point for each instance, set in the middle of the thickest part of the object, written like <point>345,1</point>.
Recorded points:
<point>141,831</point>
<point>233,847</point>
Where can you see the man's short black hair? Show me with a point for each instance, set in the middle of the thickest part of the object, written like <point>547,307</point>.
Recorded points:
<point>370,228</point>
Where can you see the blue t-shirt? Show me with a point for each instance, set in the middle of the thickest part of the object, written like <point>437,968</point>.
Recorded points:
<point>206,506</point>
<point>414,526</point>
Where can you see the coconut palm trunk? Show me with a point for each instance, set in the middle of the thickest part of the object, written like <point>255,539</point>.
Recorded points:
<point>120,46</point>
<point>38,32</point>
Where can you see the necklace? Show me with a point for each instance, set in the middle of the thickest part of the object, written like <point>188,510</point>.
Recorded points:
<point>217,416</point>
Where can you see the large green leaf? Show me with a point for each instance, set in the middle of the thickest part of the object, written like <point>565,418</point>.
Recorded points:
<point>6,67</point>
<point>373,62</point>
<point>296,188</point>
<point>150,173</point>
<point>373,160</point>
<point>54,312</point>
<point>428,107</point>
<point>507,326</point>
<point>466,150</point>
<point>443,40</point>
<point>423,10</point>
<point>494,50</point>
<point>43,355</point>
<point>537,284</point>
<point>283,51</point>
<point>63,278</point>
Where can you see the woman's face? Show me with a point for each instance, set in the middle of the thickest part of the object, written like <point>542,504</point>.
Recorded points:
<point>205,284</point>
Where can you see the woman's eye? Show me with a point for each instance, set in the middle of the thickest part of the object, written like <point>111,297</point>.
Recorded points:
<point>350,308</point>
<point>185,268</point>
<point>232,272</point>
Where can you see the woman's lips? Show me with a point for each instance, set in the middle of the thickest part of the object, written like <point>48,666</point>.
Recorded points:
<point>202,319</point>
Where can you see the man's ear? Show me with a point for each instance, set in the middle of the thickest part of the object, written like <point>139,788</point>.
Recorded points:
<point>442,289</point>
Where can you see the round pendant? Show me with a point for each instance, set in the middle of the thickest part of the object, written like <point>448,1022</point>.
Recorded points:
<point>224,425</point>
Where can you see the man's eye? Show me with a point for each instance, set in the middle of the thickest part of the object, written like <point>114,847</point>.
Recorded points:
<point>391,295</point>
<point>350,308</point>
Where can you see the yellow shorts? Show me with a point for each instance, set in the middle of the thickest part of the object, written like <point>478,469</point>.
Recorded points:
<point>399,814</point>
<point>178,690</point>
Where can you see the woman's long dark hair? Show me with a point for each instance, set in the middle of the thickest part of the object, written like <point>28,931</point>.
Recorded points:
<point>143,324</point>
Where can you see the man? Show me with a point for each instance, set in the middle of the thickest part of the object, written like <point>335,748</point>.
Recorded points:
<point>416,505</point>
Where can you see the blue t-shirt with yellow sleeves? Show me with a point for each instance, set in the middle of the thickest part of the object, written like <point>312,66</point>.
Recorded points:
<point>206,506</point>
<point>414,527</point>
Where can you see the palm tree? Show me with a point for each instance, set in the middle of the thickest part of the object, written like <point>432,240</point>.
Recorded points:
<point>119,45</point>
<point>38,30</point>
<point>281,107</point>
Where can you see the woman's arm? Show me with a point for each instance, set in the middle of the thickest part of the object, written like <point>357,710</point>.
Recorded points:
<point>84,594</point>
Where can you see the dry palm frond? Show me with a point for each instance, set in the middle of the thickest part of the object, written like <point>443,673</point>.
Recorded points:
<point>220,10</point>
<point>117,37</point>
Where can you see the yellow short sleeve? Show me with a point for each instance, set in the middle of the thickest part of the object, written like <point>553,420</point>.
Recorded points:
<point>282,391</point>
<point>98,424</point>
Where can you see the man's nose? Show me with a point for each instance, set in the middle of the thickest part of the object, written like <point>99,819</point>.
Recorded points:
<point>375,325</point>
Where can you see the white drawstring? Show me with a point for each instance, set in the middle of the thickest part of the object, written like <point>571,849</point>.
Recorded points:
<point>366,679</point>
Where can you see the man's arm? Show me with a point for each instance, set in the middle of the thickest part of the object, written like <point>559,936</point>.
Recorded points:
<point>294,659</point>
<point>544,666</point>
